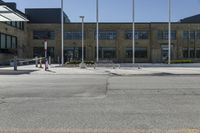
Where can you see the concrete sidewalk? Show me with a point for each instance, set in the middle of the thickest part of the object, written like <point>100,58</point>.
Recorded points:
<point>156,71</point>
<point>159,65</point>
<point>123,71</point>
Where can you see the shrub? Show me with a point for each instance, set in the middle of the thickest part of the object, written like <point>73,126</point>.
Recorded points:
<point>78,62</point>
<point>73,62</point>
<point>181,61</point>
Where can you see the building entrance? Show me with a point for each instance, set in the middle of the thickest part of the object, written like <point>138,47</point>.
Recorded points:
<point>72,54</point>
<point>164,53</point>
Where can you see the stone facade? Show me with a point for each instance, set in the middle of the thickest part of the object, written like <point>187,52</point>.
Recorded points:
<point>155,47</point>
<point>22,46</point>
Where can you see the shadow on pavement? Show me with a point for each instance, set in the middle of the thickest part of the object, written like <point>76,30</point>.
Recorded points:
<point>51,71</point>
<point>12,72</point>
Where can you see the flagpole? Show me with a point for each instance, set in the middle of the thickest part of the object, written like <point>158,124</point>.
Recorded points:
<point>62,34</point>
<point>133,35</point>
<point>97,30</point>
<point>169,34</point>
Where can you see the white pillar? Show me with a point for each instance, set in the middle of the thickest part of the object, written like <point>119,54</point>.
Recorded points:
<point>133,34</point>
<point>169,34</point>
<point>62,34</point>
<point>97,31</point>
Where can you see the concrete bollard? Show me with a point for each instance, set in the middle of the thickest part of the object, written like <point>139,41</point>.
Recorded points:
<point>113,66</point>
<point>139,67</point>
<point>94,66</point>
<point>40,60</point>
<point>36,61</point>
<point>49,60</point>
<point>46,64</point>
<point>15,63</point>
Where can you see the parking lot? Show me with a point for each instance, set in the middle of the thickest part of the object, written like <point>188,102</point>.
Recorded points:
<point>100,100</point>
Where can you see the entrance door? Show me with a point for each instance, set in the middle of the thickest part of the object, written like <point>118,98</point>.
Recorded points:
<point>164,52</point>
<point>73,54</point>
<point>69,54</point>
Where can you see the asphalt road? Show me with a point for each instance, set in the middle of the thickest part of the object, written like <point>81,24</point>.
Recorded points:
<point>99,103</point>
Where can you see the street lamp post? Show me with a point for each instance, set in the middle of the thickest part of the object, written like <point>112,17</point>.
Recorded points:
<point>82,65</point>
<point>97,30</point>
<point>133,30</point>
<point>169,34</point>
<point>62,34</point>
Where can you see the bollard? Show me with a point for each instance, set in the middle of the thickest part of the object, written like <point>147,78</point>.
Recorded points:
<point>15,63</point>
<point>40,60</point>
<point>113,66</point>
<point>49,60</point>
<point>46,64</point>
<point>139,67</point>
<point>94,66</point>
<point>36,61</point>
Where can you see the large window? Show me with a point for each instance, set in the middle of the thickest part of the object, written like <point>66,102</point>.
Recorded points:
<point>163,35</point>
<point>188,52</point>
<point>42,35</point>
<point>73,53</point>
<point>73,35</point>
<point>8,44</point>
<point>106,53</point>
<point>139,35</point>
<point>191,35</point>
<point>19,25</point>
<point>3,41</point>
<point>39,51</point>
<point>139,52</point>
<point>198,52</point>
<point>14,42</point>
<point>107,35</point>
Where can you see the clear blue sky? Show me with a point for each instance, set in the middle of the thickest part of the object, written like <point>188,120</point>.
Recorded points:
<point>118,10</point>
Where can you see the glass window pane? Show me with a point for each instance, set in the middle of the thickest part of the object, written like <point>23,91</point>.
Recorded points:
<point>73,35</point>
<point>14,42</point>
<point>139,35</point>
<point>42,35</point>
<point>163,35</point>
<point>139,53</point>
<point>8,38</point>
<point>107,35</point>
<point>3,41</point>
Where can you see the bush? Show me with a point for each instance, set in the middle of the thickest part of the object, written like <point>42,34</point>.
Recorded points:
<point>89,62</point>
<point>78,62</point>
<point>181,61</point>
<point>73,62</point>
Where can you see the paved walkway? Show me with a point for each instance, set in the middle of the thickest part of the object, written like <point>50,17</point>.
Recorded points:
<point>123,71</point>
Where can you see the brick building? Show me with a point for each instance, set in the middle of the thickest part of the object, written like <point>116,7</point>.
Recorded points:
<point>26,40</point>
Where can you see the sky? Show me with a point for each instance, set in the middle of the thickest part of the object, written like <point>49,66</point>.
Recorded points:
<point>118,10</point>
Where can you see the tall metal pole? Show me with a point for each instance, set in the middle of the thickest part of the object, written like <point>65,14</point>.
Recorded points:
<point>46,60</point>
<point>82,17</point>
<point>169,34</point>
<point>97,30</point>
<point>133,35</point>
<point>62,34</point>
